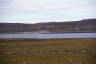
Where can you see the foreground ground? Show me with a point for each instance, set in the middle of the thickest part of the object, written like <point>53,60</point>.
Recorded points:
<point>48,51</point>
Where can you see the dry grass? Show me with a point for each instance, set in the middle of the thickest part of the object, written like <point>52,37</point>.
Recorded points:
<point>48,51</point>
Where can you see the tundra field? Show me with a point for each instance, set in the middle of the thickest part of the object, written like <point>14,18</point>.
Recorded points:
<point>48,51</point>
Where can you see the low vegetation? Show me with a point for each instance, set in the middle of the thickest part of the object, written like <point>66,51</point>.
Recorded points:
<point>48,51</point>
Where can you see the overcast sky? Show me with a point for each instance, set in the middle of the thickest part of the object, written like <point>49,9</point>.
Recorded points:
<point>33,11</point>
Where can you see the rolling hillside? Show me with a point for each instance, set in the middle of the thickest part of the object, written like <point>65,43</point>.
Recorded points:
<point>87,25</point>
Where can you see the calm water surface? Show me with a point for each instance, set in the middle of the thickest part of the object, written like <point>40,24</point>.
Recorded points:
<point>63,35</point>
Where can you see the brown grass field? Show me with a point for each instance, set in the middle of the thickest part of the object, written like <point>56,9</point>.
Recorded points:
<point>48,51</point>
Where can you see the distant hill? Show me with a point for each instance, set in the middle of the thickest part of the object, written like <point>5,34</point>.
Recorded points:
<point>86,25</point>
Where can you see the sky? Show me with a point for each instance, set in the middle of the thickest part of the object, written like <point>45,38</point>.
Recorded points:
<point>36,11</point>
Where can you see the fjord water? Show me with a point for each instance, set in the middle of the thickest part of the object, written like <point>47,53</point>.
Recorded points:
<point>60,35</point>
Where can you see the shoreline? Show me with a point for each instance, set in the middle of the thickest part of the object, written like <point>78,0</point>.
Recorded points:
<point>44,33</point>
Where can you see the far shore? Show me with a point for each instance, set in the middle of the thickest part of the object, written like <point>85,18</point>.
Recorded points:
<point>43,33</point>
